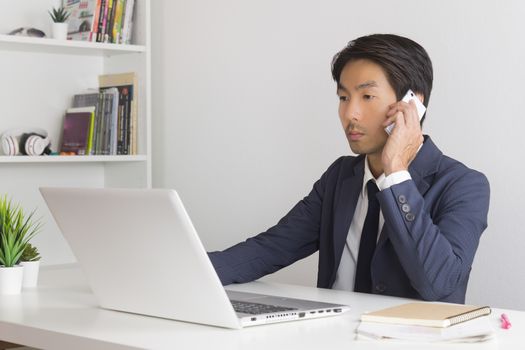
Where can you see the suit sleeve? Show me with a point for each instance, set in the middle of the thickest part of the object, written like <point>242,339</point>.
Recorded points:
<point>295,236</point>
<point>436,245</point>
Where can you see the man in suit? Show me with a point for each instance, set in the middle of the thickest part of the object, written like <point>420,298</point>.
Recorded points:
<point>400,218</point>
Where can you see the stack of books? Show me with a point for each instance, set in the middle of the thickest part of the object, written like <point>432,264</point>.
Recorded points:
<point>103,122</point>
<point>428,322</point>
<point>105,21</point>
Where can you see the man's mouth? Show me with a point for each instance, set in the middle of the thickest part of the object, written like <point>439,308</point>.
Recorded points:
<point>354,135</point>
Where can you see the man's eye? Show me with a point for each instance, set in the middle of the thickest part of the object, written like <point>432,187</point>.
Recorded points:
<point>368,97</point>
<point>343,98</point>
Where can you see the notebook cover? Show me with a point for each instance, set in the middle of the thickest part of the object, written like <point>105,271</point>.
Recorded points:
<point>78,130</point>
<point>426,314</point>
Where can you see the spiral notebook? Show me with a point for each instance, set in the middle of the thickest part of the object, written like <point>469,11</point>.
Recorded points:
<point>427,314</point>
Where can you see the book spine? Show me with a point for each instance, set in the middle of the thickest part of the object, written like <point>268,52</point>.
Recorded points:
<point>112,21</point>
<point>109,121</point>
<point>117,25</point>
<point>133,129</point>
<point>134,120</point>
<point>108,105</point>
<point>100,33</point>
<point>128,16</point>
<point>127,132</point>
<point>105,21</point>
<point>100,122</point>
<point>90,134</point>
<point>114,121</point>
<point>109,28</point>
<point>120,129</point>
<point>125,123</point>
<point>94,27</point>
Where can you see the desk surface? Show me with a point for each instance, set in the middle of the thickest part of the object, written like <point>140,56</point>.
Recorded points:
<point>62,313</point>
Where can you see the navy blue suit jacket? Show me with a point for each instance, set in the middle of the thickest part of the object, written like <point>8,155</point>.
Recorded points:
<point>432,228</point>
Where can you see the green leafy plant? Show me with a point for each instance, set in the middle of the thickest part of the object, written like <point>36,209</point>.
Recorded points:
<point>59,15</point>
<point>30,253</point>
<point>16,230</point>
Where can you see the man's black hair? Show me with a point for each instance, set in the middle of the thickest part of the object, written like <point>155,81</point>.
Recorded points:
<point>405,62</point>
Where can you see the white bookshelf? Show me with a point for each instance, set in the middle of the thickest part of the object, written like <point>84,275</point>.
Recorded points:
<point>39,78</point>
<point>72,159</point>
<point>69,47</point>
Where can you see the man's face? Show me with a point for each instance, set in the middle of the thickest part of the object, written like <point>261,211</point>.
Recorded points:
<point>364,96</point>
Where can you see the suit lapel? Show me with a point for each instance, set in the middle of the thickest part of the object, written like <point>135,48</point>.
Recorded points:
<point>425,165</point>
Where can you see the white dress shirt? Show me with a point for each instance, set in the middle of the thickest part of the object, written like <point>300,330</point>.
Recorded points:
<point>345,277</point>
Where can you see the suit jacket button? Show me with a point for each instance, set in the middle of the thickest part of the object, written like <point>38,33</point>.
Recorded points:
<point>405,208</point>
<point>410,217</point>
<point>402,199</point>
<point>380,288</point>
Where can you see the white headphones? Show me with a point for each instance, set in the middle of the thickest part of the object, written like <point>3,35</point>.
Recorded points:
<point>31,142</point>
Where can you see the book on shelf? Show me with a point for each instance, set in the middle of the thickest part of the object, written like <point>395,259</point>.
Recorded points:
<point>101,13</point>
<point>105,103</point>
<point>127,116</point>
<point>111,112</point>
<point>107,21</point>
<point>102,21</point>
<point>91,99</point>
<point>428,322</point>
<point>127,22</point>
<point>77,133</point>
<point>82,19</point>
<point>116,32</point>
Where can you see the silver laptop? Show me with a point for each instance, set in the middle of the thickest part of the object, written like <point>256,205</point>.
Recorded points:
<point>141,254</point>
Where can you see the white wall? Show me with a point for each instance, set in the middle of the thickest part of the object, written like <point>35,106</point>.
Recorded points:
<point>245,112</point>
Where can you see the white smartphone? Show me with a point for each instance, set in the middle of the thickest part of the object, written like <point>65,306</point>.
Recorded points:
<point>410,95</point>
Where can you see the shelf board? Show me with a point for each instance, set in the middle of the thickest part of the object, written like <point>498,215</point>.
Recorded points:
<point>73,47</point>
<point>71,159</point>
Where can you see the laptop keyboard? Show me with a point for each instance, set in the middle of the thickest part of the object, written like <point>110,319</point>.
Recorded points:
<point>256,308</point>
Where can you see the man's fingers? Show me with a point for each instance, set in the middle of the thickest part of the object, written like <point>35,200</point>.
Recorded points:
<point>408,111</point>
<point>400,119</point>
<point>396,118</point>
<point>390,120</point>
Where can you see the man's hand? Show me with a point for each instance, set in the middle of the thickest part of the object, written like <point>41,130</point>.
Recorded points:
<point>402,145</point>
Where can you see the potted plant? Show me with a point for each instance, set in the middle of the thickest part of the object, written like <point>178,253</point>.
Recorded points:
<point>30,260</point>
<point>16,229</point>
<point>59,17</point>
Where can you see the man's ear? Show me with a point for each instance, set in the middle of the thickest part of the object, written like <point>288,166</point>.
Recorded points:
<point>421,97</point>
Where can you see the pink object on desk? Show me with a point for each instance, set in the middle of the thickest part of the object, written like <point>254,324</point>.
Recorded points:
<point>505,322</point>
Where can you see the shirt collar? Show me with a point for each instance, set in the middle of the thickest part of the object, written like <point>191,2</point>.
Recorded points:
<point>368,176</point>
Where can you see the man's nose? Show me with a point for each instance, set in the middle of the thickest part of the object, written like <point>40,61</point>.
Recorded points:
<point>352,111</point>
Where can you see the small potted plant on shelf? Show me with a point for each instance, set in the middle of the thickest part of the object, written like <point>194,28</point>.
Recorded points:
<point>16,230</point>
<point>59,17</point>
<point>30,260</point>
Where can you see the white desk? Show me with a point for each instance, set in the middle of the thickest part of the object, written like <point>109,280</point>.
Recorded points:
<point>62,313</point>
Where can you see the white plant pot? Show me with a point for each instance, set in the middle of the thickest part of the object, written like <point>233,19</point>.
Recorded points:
<point>31,269</point>
<point>59,31</point>
<point>11,279</point>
